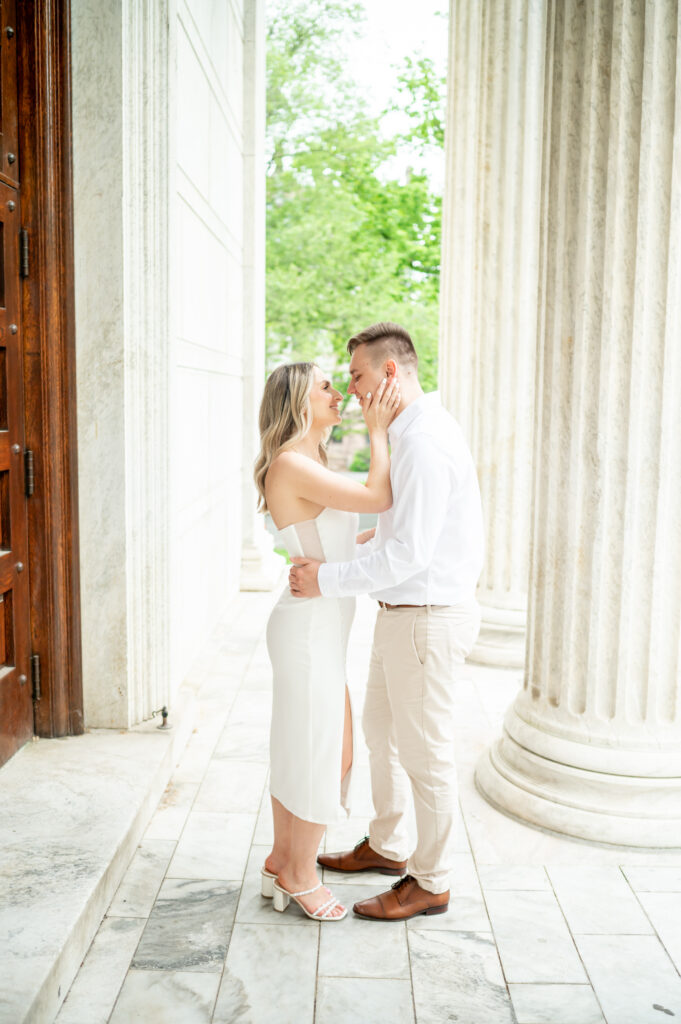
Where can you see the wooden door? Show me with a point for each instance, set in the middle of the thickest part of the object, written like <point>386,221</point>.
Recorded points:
<point>16,700</point>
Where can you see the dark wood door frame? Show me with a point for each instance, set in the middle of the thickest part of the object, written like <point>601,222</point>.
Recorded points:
<point>44,71</point>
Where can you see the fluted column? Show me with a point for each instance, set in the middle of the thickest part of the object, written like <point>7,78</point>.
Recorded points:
<point>489,286</point>
<point>592,744</point>
<point>261,567</point>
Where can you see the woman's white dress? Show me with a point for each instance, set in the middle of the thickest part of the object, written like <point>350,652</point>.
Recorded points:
<point>307,641</point>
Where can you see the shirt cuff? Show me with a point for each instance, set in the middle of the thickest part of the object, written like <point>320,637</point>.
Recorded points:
<point>327,579</point>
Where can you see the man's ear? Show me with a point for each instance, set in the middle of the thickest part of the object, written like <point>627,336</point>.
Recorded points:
<point>391,369</point>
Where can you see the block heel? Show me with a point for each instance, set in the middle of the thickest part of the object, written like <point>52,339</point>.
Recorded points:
<point>267,883</point>
<point>281,898</point>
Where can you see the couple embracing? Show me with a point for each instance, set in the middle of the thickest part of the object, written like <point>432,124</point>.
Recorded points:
<point>422,565</point>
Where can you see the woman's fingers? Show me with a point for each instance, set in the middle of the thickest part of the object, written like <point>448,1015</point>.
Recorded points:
<point>384,400</point>
<point>391,395</point>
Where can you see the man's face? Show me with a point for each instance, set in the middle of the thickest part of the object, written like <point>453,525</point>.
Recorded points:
<point>364,375</point>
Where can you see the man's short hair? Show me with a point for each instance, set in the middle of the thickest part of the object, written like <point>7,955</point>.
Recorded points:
<point>389,339</point>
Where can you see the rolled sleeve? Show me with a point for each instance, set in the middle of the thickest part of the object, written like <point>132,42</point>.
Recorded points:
<point>422,483</point>
<point>327,579</point>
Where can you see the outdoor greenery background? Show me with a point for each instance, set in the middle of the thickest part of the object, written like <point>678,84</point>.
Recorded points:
<point>353,218</point>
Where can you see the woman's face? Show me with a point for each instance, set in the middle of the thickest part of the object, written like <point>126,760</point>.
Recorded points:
<point>324,401</point>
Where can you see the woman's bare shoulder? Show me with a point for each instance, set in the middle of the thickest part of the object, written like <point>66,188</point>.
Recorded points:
<point>288,464</point>
<point>285,463</point>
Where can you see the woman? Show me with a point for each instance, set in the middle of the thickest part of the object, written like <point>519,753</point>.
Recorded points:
<point>315,511</point>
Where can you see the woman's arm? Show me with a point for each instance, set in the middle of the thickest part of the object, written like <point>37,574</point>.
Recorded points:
<point>318,484</point>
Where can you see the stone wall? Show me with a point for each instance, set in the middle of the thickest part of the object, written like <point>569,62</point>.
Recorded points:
<point>168,117</point>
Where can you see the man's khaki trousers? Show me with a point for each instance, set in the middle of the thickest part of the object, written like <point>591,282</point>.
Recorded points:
<point>408,723</point>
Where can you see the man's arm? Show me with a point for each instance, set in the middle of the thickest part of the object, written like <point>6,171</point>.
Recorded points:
<point>422,482</point>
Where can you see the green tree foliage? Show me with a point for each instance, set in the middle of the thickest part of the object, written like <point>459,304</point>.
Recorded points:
<point>348,242</point>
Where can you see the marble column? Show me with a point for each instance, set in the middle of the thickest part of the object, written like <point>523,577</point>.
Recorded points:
<point>489,286</point>
<point>120,176</point>
<point>261,567</point>
<point>592,745</point>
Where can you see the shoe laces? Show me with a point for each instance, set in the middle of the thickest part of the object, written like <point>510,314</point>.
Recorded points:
<point>402,881</point>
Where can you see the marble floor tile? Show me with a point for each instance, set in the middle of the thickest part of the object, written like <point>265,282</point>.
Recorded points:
<point>232,656</point>
<point>547,1004</point>
<point>497,690</point>
<point>166,997</point>
<point>343,835</point>
<point>633,978</point>
<point>189,926</point>
<point>362,804</point>
<point>192,765</point>
<point>136,893</point>
<point>465,914</point>
<point>533,940</point>
<point>463,878</point>
<point>665,878</point>
<point>231,787</point>
<point>170,816</point>
<point>98,982</point>
<point>221,686</point>
<point>456,976</point>
<point>513,876</point>
<point>258,677</point>
<point>264,828</point>
<point>251,711</point>
<point>244,743</point>
<point>598,901</point>
<point>363,1000</point>
<point>269,976</point>
<point>255,909</point>
<point>664,911</point>
<point>362,949</point>
<point>213,846</point>
<point>375,879</point>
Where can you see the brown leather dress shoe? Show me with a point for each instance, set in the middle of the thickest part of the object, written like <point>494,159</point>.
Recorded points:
<point>362,858</point>
<point>403,900</point>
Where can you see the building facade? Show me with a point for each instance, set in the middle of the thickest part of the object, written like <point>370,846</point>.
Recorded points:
<point>137,344</point>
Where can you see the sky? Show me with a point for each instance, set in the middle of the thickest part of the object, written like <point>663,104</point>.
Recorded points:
<point>393,30</point>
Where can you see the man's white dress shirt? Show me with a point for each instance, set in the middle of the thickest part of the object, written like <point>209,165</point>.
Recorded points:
<point>428,547</point>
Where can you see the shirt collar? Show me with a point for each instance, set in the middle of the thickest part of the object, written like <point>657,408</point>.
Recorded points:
<point>411,413</point>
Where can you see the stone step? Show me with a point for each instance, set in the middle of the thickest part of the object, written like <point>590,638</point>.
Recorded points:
<point>72,812</point>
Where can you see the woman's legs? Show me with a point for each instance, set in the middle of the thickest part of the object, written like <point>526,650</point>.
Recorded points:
<point>282,837</point>
<point>294,855</point>
<point>296,841</point>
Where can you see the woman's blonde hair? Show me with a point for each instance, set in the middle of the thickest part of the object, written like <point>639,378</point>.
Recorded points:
<point>285,418</point>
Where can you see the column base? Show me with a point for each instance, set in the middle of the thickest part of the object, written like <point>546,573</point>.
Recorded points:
<point>626,810</point>
<point>501,641</point>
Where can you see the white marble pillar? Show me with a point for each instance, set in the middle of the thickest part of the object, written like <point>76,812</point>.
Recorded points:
<point>489,286</point>
<point>261,568</point>
<point>592,744</point>
<point>120,160</point>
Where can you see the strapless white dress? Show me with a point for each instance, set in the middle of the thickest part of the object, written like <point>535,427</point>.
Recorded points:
<point>307,642</point>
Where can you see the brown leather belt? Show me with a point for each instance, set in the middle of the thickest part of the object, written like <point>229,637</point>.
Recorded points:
<point>390,606</point>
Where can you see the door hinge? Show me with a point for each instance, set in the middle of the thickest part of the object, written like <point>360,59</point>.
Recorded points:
<point>35,676</point>
<point>23,252</point>
<point>29,472</point>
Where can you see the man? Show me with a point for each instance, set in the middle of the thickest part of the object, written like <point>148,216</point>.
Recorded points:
<point>422,566</point>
